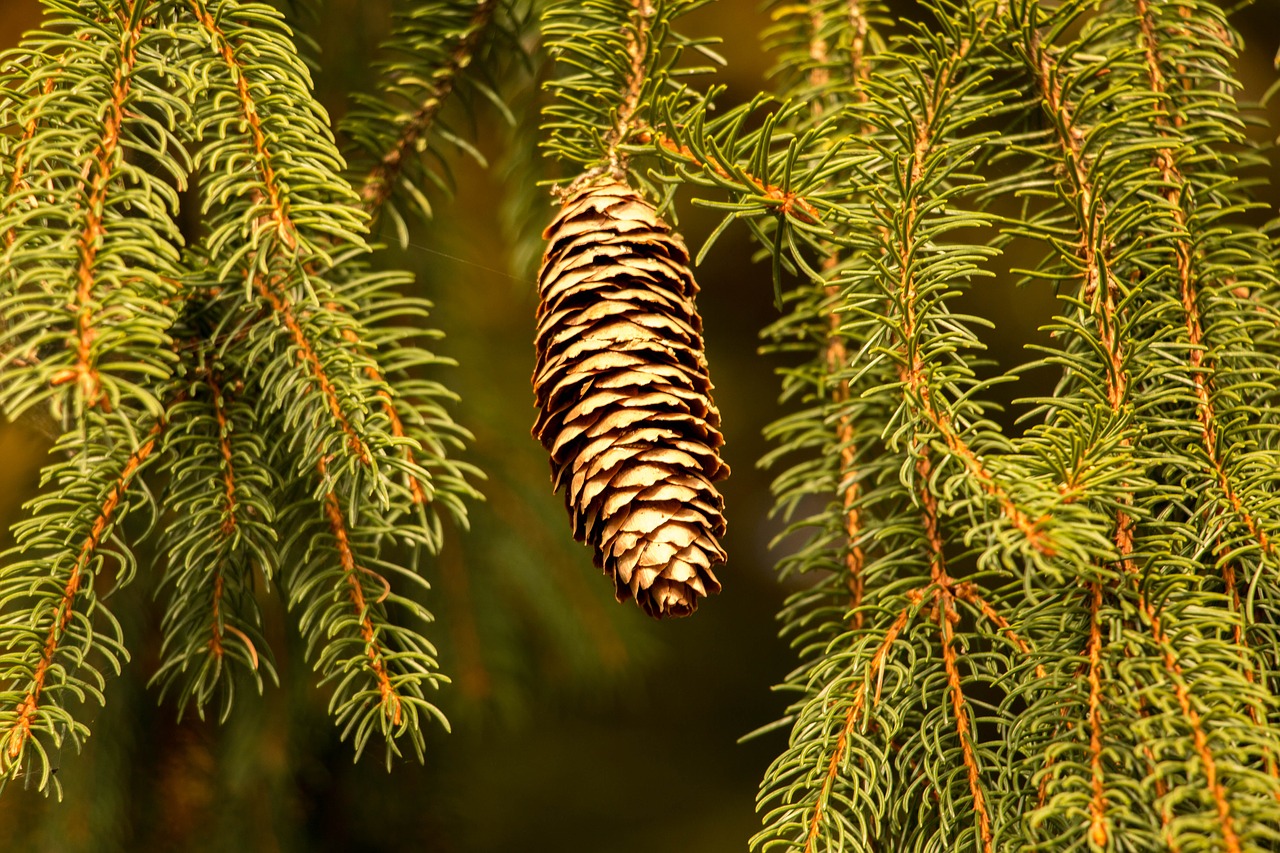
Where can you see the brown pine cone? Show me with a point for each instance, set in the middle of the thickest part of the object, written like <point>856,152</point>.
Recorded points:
<point>626,411</point>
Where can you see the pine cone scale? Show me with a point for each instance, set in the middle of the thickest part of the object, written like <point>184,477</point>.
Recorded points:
<point>624,393</point>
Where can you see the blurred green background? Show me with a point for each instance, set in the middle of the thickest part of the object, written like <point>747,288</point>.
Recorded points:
<point>579,724</point>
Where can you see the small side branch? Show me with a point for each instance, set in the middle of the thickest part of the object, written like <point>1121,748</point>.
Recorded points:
<point>19,731</point>
<point>380,181</point>
<point>853,719</point>
<point>101,171</point>
<point>390,699</point>
<point>272,194</point>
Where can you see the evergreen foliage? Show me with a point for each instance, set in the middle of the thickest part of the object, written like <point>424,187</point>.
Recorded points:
<point>252,363</point>
<point>1057,637</point>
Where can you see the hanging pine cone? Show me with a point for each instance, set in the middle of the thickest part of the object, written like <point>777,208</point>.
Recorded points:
<point>626,411</point>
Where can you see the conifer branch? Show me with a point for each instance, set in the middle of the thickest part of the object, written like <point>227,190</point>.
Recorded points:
<point>1098,826</point>
<point>84,373</point>
<point>20,729</point>
<point>89,236</point>
<point>1103,260</point>
<point>388,698</point>
<point>1179,195</point>
<point>854,717</point>
<point>1201,742</point>
<point>50,640</point>
<point>281,261</point>
<point>450,36</point>
<point>19,154</point>
<point>379,667</point>
<point>221,486</point>
<point>836,357</point>
<point>786,202</point>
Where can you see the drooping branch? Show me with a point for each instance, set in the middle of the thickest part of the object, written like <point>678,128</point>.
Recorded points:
<point>380,181</point>
<point>60,610</point>
<point>277,223</point>
<point>335,515</point>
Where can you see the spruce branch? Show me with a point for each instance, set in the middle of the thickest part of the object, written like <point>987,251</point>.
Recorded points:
<point>437,53</point>
<point>280,414</point>
<point>340,582</point>
<point>221,487</point>
<point>293,233</point>
<point>53,637</point>
<point>619,60</point>
<point>1119,296</point>
<point>90,241</point>
<point>377,185</point>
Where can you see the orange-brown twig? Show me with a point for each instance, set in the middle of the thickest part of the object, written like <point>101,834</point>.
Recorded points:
<point>1098,832</point>
<point>17,180</point>
<point>224,447</point>
<point>416,492</point>
<point>946,618</point>
<point>380,180</point>
<point>837,354</point>
<point>1100,293</point>
<point>99,171</point>
<point>29,706</point>
<point>637,36</point>
<point>1177,194</point>
<point>390,700</point>
<point>852,718</point>
<point>790,203</point>
<point>1199,738</point>
<point>285,229</point>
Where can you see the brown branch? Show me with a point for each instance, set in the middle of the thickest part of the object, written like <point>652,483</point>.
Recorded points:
<point>229,523</point>
<point>28,708</point>
<point>1200,740</point>
<point>285,230</point>
<point>1178,194</point>
<point>1098,803</point>
<point>968,593</point>
<point>379,182</point>
<point>17,180</point>
<point>945,615</point>
<point>417,494</point>
<point>913,370</point>
<point>637,37</point>
<point>99,172</point>
<point>835,359</point>
<point>789,202</point>
<point>390,700</point>
<point>1101,295</point>
<point>1162,789</point>
<point>946,619</point>
<point>860,26</point>
<point>224,446</point>
<point>215,639</point>
<point>852,718</point>
<point>836,356</point>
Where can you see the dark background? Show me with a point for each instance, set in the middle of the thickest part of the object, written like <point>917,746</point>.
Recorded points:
<point>579,724</point>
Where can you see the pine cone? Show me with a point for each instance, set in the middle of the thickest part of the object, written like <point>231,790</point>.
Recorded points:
<point>626,411</point>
